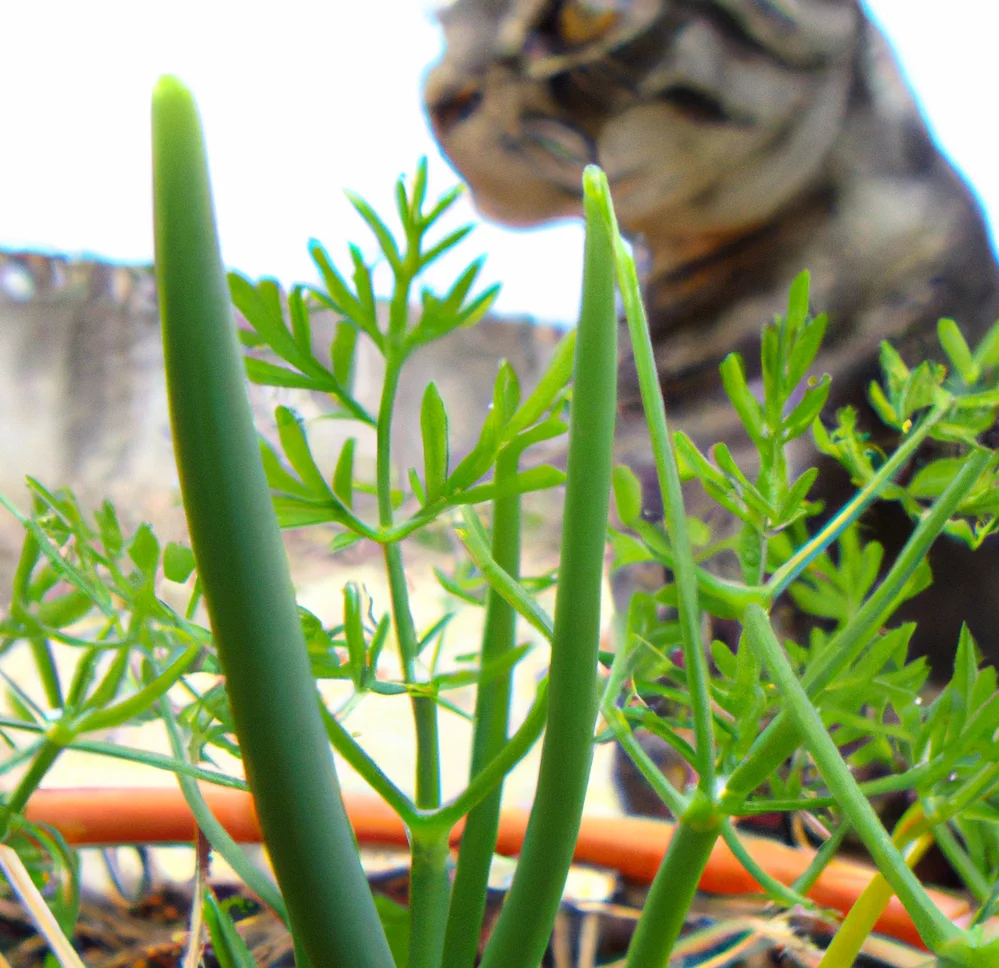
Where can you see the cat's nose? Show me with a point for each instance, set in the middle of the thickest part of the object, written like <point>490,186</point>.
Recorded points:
<point>449,106</point>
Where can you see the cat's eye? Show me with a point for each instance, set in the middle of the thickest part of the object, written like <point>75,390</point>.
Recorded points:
<point>583,21</point>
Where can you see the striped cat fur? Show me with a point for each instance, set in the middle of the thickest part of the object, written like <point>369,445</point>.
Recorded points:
<point>744,141</point>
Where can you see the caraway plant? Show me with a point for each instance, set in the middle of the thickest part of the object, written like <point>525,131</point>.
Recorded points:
<point>819,724</point>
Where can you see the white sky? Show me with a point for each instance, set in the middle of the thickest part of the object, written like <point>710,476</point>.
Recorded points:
<point>318,96</point>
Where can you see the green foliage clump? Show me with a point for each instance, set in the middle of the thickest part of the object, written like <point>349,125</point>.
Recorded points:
<point>763,724</point>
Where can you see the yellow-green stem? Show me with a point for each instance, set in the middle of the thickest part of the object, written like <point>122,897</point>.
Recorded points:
<point>847,943</point>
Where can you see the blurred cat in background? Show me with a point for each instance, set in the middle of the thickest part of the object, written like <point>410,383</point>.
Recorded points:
<point>744,141</point>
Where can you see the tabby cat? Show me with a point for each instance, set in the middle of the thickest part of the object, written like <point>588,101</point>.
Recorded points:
<point>744,141</point>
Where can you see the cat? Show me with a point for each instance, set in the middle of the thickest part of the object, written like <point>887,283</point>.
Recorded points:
<point>744,140</point>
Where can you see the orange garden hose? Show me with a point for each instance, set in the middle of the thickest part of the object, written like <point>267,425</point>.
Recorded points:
<point>630,845</point>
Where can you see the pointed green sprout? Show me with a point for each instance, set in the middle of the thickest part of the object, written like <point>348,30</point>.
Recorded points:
<point>243,567</point>
<point>524,928</point>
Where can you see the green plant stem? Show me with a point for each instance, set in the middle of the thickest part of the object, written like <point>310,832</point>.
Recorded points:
<point>383,452</point>
<point>492,720</point>
<point>424,709</point>
<point>40,648</point>
<point>513,751</point>
<point>672,892</point>
<point>18,756</point>
<point>428,897</point>
<point>243,567</point>
<point>774,888</point>
<point>40,765</point>
<point>847,943</point>
<point>214,832</point>
<point>426,927</point>
<point>429,879</point>
<point>969,950</point>
<point>675,801</point>
<point>779,739</point>
<point>156,760</point>
<point>107,717</point>
<point>428,781</point>
<point>473,537</point>
<point>373,775</point>
<point>932,926</point>
<point>735,594</point>
<point>823,857</point>
<point>683,565</point>
<point>524,926</point>
<point>963,865</point>
<point>923,776</point>
<point>856,506</point>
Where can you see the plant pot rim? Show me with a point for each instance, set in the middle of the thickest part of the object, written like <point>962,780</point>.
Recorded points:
<point>632,846</point>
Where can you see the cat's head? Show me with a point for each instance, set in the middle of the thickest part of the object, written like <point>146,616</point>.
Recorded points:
<point>708,115</point>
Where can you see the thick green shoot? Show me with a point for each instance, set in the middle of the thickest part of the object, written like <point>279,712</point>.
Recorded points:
<point>242,565</point>
<point>522,932</point>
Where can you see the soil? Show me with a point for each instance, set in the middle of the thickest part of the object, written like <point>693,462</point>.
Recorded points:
<point>152,932</point>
